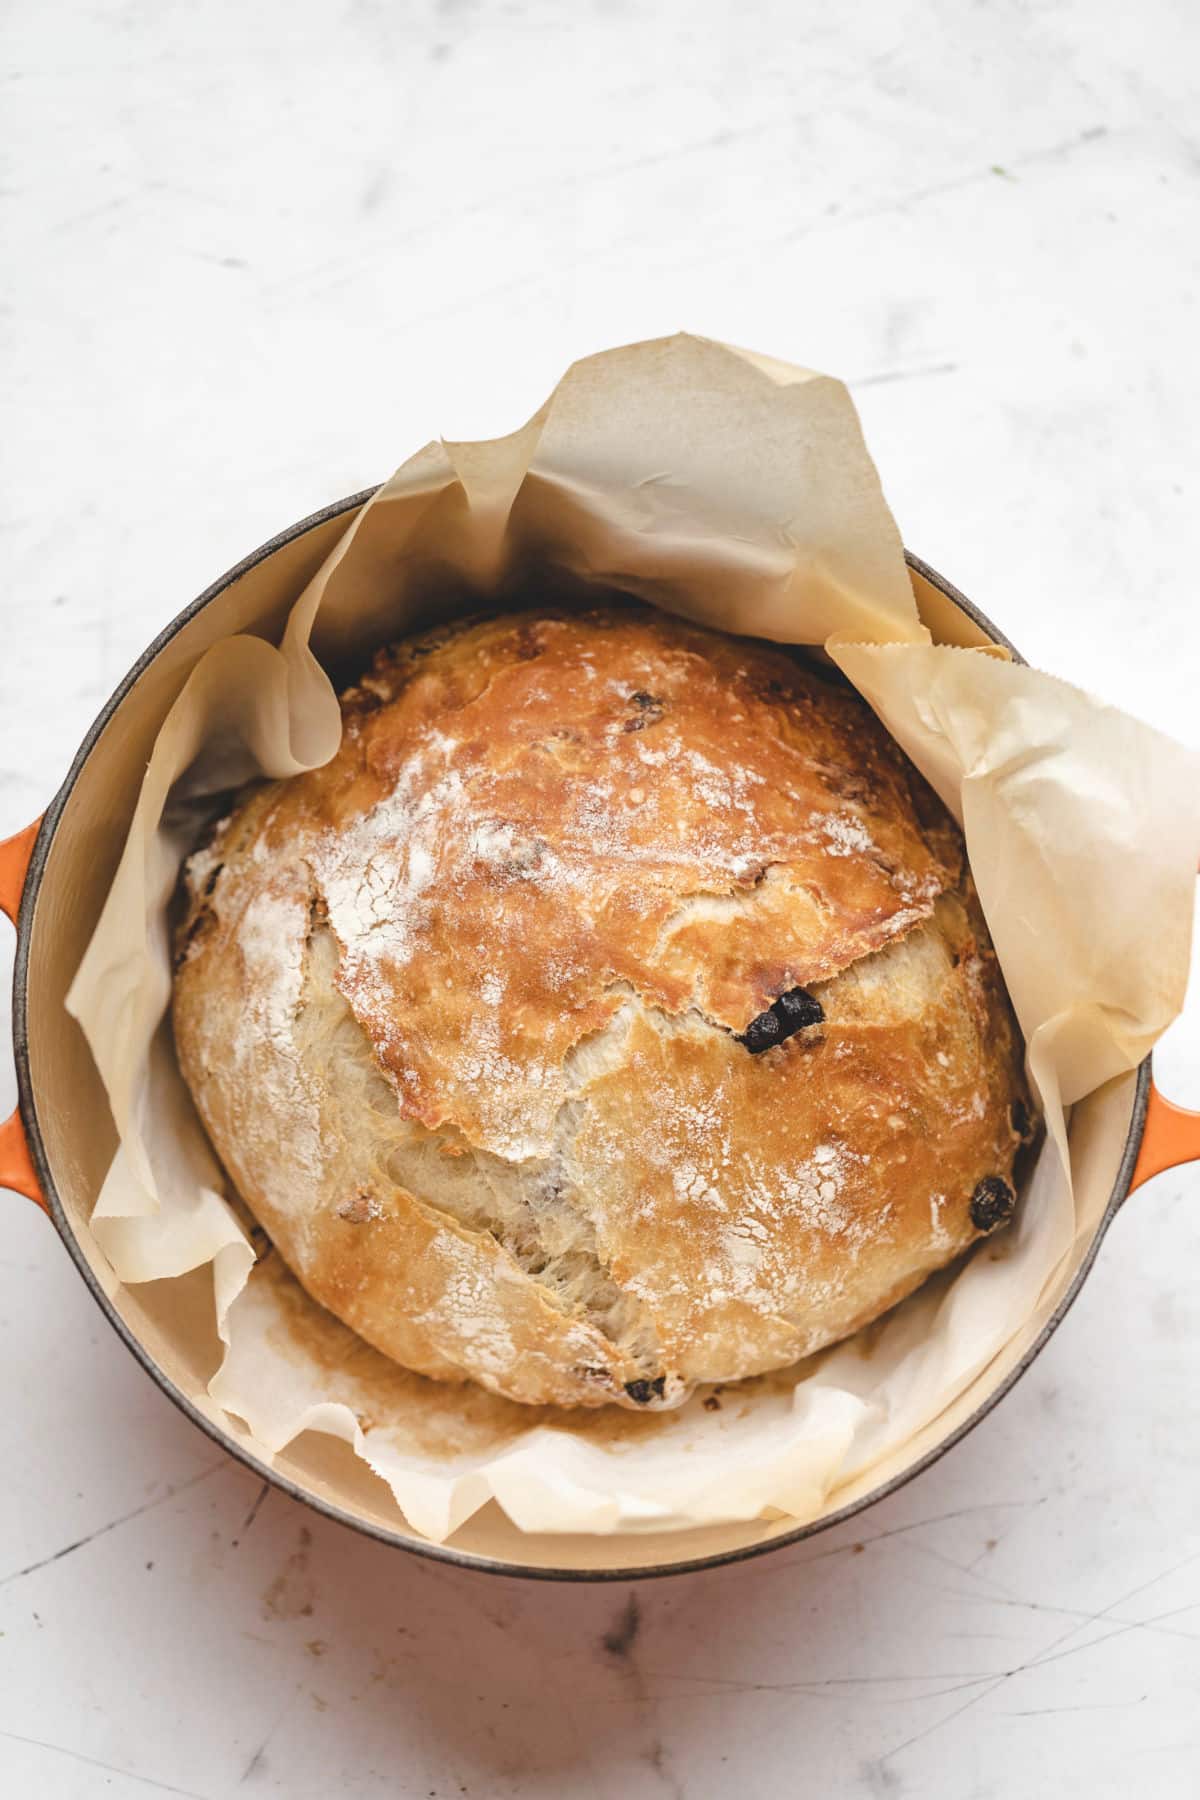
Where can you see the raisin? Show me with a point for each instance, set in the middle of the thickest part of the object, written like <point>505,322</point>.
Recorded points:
<point>799,1008</point>
<point>792,1012</point>
<point>762,1032</point>
<point>650,711</point>
<point>650,715</point>
<point>645,1391</point>
<point>992,1203</point>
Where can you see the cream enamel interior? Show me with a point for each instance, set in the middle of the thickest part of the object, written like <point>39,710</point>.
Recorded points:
<point>172,1321</point>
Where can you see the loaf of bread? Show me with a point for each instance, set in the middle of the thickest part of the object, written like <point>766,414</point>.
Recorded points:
<point>612,1014</point>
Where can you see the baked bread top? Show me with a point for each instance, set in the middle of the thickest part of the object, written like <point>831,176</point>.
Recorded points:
<point>612,1013</point>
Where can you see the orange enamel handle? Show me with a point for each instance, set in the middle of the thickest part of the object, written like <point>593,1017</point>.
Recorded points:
<point>1171,1136</point>
<point>16,1165</point>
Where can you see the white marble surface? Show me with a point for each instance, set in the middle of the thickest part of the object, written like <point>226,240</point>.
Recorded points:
<point>255,255</point>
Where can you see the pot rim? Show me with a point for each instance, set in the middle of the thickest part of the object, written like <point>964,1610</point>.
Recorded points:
<point>444,1553</point>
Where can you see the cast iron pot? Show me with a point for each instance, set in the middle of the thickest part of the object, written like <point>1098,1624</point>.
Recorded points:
<point>58,1144</point>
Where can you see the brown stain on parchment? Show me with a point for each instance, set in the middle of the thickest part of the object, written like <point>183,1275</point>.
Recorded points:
<point>438,1418</point>
<point>429,1418</point>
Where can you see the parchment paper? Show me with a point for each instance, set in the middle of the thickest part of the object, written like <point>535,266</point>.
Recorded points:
<point>738,491</point>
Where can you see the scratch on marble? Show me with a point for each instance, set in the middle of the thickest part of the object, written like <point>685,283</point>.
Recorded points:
<point>1085,1618</point>
<point>1054,1653</point>
<point>94,1762</point>
<point>962,1512</point>
<point>1120,1631</point>
<point>949,1719</point>
<point>960,1680</point>
<point>256,1760</point>
<point>248,1521</point>
<point>74,221</point>
<point>823,1687</point>
<point>713,140</point>
<point>103,1530</point>
<point>819,1681</point>
<point>889,375</point>
<point>968,1569</point>
<point>972,178</point>
<point>1041,1712</point>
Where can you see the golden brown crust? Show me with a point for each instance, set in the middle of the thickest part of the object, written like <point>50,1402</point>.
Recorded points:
<point>587,775</point>
<point>854,1150</point>
<point>557,863</point>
